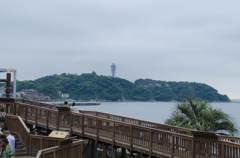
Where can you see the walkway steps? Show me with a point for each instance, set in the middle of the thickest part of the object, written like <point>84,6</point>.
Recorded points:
<point>20,149</point>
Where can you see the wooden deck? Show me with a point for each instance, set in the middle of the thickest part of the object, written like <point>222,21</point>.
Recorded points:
<point>153,139</point>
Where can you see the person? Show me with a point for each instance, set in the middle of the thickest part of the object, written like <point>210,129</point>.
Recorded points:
<point>4,153</point>
<point>2,136</point>
<point>4,129</point>
<point>11,140</point>
<point>74,108</point>
<point>2,117</point>
<point>66,105</point>
<point>75,118</point>
<point>8,146</point>
<point>65,118</point>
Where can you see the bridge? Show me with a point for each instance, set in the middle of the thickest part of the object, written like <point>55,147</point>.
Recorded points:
<point>137,136</point>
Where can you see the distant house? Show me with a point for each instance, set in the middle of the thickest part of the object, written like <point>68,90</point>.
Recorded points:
<point>150,85</point>
<point>65,96</point>
<point>33,95</point>
<point>159,85</point>
<point>43,98</point>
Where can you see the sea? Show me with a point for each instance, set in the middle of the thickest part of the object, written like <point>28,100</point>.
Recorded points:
<point>158,111</point>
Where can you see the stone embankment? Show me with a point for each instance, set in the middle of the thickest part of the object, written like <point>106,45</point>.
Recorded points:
<point>80,104</point>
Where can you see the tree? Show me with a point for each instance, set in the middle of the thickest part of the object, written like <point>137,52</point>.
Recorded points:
<point>199,115</point>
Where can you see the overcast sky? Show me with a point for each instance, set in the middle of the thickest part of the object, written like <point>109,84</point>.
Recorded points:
<point>194,41</point>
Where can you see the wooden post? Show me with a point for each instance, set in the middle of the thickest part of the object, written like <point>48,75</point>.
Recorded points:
<point>123,155</point>
<point>131,139</point>
<point>150,143</point>
<point>222,150</point>
<point>105,147</point>
<point>15,109</point>
<point>8,89</point>
<point>93,149</point>
<point>97,128</point>
<point>57,122</point>
<point>38,131</point>
<point>47,120</point>
<point>193,148</point>
<point>19,111</point>
<point>31,128</point>
<point>25,114</point>
<point>41,144</point>
<point>7,108</point>
<point>82,126</point>
<point>30,144</point>
<point>172,150</point>
<point>36,117</point>
<point>71,124</point>
<point>113,134</point>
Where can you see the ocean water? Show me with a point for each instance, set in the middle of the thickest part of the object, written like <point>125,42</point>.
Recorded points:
<point>156,111</point>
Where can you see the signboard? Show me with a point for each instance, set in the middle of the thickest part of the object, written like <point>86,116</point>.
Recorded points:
<point>58,134</point>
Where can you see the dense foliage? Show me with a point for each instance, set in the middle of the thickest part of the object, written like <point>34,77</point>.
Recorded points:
<point>179,90</point>
<point>92,86</point>
<point>199,115</point>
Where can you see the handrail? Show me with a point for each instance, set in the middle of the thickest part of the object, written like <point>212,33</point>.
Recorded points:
<point>31,142</point>
<point>140,122</point>
<point>124,119</point>
<point>53,152</point>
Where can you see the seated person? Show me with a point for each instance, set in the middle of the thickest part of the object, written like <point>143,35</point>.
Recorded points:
<point>74,108</point>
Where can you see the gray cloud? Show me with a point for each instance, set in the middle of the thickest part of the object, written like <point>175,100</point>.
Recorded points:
<point>163,40</point>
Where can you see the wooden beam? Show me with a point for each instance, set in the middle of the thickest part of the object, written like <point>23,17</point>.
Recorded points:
<point>111,153</point>
<point>33,131</point>
<point>87,151</point>
<point>87,148</point>
<point>131,153</point>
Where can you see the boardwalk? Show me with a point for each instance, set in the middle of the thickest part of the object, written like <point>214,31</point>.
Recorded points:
<point>153,139</point>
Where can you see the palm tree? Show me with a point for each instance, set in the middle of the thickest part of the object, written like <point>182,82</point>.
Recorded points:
<point>199,115</point>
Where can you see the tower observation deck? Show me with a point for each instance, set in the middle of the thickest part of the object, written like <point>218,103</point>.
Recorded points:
<point>113,69</point>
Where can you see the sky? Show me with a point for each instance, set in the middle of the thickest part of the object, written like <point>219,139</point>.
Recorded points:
<point>194,41</point>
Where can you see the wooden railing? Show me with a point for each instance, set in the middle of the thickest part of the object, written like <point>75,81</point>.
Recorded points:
<point>117,118</point>
<point>165,127</point>
<point>72,151</point>
<point>137,137</point>
<point>33,143</point>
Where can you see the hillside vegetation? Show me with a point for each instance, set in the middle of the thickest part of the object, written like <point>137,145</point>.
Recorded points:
<point>92,86</point>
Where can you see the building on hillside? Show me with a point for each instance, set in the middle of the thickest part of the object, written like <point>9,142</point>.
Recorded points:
<point>65,96</point>
<point>30,92</point>
<point>42,98</point>
<point>149,85</point>
<point>33,95</point>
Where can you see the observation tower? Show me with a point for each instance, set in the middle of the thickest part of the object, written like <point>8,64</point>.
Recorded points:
<point>113,69</point>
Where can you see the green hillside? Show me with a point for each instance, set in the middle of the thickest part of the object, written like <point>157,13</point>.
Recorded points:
<point>92,86</point>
